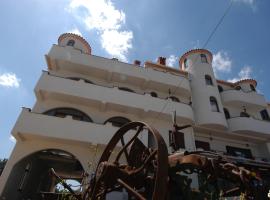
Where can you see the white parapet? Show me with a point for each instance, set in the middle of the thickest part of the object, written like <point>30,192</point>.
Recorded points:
<point>79,92</point>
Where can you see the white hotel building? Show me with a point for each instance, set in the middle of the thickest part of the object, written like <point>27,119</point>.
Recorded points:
<point>83,99</point>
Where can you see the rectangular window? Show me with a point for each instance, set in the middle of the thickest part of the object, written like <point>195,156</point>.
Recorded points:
<point>177,140</point>
<point>264,115</point>
<point>202,145</point>
<point>239,152</point>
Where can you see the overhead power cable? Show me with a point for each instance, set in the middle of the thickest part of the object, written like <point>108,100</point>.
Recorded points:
<point>204,46</point>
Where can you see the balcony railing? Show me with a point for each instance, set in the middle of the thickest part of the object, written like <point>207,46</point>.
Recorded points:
<point>72,60</point>
<point>80,92</point>
<point>36,125</point>
<point>238,98</point>
<point>249,125</point>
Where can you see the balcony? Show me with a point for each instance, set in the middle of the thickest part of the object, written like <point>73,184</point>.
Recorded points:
<point>249,125</point>
<point>73,60</point>
<point>239,98</point>
<point>31,125</point>
<point>79,92</point>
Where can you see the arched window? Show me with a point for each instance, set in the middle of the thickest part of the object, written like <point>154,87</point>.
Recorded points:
<point>204,58</point>
<point>220,89</point>
<point>186,63</point>
<point>125,89</point>
<point>117,121</point>
<point>265,115</point>
<point>173,98</point>
<point>153,94</point>
<point>77,79</point>
<point>214,104</point>
<point>252,87</point>
<point>208,80</point>
<point>71,43</point>
<point>238,87</point>
<point>226,113</point>
<point>74,113</point>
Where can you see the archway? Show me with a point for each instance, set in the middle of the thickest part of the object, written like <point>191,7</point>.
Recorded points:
<point>30,178</point>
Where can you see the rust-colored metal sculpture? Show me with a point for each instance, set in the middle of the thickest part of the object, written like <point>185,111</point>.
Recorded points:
<point>146,171</point>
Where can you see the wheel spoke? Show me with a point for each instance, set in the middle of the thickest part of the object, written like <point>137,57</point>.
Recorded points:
<point>125,150</point>
<point>130,190</point>
<point>129,142</point>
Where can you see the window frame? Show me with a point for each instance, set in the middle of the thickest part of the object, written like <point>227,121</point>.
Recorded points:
<point>117,121</point>
<point>252,88</point>
<point>71,43</point>
<point>265,115</point>
<point>226,113</point>
<point>214,104</point>
<point>220,88</point>
<point>208,80</point>
<point>204,58</point>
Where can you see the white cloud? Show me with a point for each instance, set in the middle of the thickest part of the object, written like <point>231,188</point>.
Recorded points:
<point>245,73</point>
<point>171,60</point>
<point>9,80</point>
<point>116,42</point>
<point>221,63</point>
<point>12,139</point>
<point>102,16</point>
<point>75,31</point>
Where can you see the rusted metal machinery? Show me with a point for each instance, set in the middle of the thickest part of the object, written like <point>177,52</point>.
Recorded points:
<point>146,171</point>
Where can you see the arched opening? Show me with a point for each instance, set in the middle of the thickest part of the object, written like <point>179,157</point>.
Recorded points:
<point>220,88</point>
<point>125,89</point>
<point>186,63</point>
<point>117,121</point>
<point>71,43</point>
<point>214,104</point>
<point>238,87</point>
<point>252,87</point>
<point>226,113</point>
<point>173,98</point>
<point>208,80</point>
<point>204,58</point>
<point>74,113</point>
<point>31,178</point>
<point>153,94</point>
<point>77,79</point>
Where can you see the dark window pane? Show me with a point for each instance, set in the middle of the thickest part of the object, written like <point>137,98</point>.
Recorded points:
<point>71,43</point>
<point>125,89</point>
<point>153,94</point>
<point>208,80</point>
<point>265,115</point>
<point>204,58</point>
<point>74,113</point>
<point>117,121</point>
<point>252,87</point>
<point>239,152</point>
<point>238,87</point>
<point>177,140</point>
<point>203,145</point>
<point>220,89</point>
<point>213,104</point>
<point>173,98</point>
<point>226,113</point>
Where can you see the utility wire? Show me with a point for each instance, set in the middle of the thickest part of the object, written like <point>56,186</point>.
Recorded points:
<point>218,24</point>
<point>204,46</point>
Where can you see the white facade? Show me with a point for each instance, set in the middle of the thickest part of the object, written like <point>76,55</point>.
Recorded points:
<point>98,86</point>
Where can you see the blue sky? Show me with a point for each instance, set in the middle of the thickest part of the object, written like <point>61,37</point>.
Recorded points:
<point>127,30</point>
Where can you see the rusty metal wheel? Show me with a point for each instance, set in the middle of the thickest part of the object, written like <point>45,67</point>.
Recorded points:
<point>138,168</point>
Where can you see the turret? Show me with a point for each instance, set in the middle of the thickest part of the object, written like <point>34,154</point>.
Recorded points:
<point>206,101</point>
<point>74,41</point>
